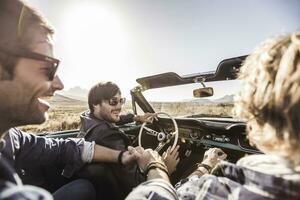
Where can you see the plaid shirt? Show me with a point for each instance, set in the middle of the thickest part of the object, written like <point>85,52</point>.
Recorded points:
<point>234,182</point>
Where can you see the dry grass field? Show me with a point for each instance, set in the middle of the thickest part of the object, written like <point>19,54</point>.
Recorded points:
<point>191,108</point>
<point>64,113</point>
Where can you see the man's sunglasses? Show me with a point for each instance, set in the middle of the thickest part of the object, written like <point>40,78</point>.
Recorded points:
<point>114,101</point>
<point>52,62</point>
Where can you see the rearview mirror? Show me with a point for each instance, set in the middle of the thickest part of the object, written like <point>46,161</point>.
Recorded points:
<point>203,92</point>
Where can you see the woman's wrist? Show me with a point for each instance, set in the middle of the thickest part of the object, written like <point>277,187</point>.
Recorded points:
<point>157,173</point>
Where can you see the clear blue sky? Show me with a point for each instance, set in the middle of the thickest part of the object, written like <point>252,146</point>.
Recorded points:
<point>121,40</point>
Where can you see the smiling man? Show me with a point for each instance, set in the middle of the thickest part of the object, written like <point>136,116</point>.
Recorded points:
<point>99,124</point>
<point>27,77</point>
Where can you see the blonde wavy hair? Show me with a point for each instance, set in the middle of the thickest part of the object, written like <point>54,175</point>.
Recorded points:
<point>270,96</point>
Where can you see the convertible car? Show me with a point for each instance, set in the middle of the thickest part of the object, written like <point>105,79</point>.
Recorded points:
<point>182,123</point>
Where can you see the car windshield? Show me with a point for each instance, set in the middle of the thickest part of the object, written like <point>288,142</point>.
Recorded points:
<point>179,100</point>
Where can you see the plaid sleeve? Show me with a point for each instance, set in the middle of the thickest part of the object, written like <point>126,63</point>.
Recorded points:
<point>204,187</point>
<point>155,189</point>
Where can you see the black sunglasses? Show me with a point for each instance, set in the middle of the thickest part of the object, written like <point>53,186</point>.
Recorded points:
<point>52,62</point>
<point>114,101</point>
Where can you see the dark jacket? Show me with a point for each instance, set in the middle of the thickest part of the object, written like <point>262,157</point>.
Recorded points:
<point>103,132</point>
<point>109,135</point>
<point>26,152</point>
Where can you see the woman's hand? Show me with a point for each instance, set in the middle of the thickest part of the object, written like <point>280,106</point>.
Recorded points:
<point>171,158</point>
<point>144,156</point>
<point>213,156</point>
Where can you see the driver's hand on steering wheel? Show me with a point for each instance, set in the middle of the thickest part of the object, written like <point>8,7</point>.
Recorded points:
<point>171,158</point>
<point>213,156</point>
<point>147,117</point>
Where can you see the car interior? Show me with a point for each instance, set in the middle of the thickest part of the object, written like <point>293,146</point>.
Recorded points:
<point>194,134</point>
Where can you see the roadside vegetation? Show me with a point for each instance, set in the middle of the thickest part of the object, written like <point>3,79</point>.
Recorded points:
<point>65,112</point>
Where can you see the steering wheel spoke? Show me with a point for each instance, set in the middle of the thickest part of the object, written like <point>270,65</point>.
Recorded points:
<point>150,131</point>
<point>160,146</point>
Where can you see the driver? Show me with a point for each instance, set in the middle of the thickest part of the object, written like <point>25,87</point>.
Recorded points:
<point>99,124</point>
<point>269,101</point>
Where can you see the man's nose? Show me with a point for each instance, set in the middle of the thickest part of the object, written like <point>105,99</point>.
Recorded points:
<point>119,105</point>
<point>57,84</point>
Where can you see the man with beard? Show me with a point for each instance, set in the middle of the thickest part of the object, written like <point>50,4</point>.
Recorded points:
<point>27,77</point>
<point>99,125</point>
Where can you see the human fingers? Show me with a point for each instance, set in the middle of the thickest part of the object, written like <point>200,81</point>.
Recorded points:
<point>177,160</point>
<point>149,119</point>
<point>175,150</point>
<point>219,152</point>
<point>154,116</point>
<point>130,156</point>
<point>131,149</point>
<point>206,153</point>
<point>176,154</point>
<point>139,149</point>
<point>168,150</point>
<point>164,155</point>
<point>222,156</point>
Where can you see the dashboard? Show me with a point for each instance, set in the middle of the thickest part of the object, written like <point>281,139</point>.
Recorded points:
<point>226,133</point>
<point>196,135</point>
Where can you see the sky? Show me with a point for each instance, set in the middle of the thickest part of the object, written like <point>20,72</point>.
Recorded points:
<point>122,40</point>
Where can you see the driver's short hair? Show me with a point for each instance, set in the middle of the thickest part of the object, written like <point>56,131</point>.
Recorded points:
<point>270,96</point>
<point>17,23</point>
<point>102,91</point>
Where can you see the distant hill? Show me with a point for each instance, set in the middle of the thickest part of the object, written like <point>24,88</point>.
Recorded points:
<point>225,99</point>
<point>77,93</point>
<point>228,99</point>
<point>59,100</point>
<point>202,101</point>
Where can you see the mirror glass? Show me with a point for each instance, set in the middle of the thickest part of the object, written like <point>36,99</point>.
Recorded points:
<point>203,92</point>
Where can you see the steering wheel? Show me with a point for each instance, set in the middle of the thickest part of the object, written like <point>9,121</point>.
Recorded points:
<point>163,137</point>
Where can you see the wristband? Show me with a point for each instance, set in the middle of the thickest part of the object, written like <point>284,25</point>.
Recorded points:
<point>155,166</point>
<point>207,167</point>
<point>120,157</point>
<point>200,171</point>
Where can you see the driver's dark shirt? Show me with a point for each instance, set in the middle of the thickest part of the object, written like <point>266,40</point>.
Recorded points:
<point>109,135</point>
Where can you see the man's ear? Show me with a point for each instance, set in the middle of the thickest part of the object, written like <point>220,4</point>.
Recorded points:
<point>97,107</point>
<point>1,71</point>
<point>4,74</point>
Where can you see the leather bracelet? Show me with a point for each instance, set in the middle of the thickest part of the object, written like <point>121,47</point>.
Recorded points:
<point>207,167</point>
<point>157,163</point>
<point>156,166</point>
<point>120,157</point>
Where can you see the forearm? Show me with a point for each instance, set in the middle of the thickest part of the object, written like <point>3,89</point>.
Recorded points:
<point>200,171</point>
<point>124,119</point>
<point>104,154</point>
<point>158,173</point>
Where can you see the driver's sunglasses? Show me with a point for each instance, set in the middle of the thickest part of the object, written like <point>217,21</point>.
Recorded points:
<point>114,101</point>
<point>52,62</point>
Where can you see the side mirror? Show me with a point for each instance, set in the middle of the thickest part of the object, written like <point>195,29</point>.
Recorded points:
<point>203,92</point>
